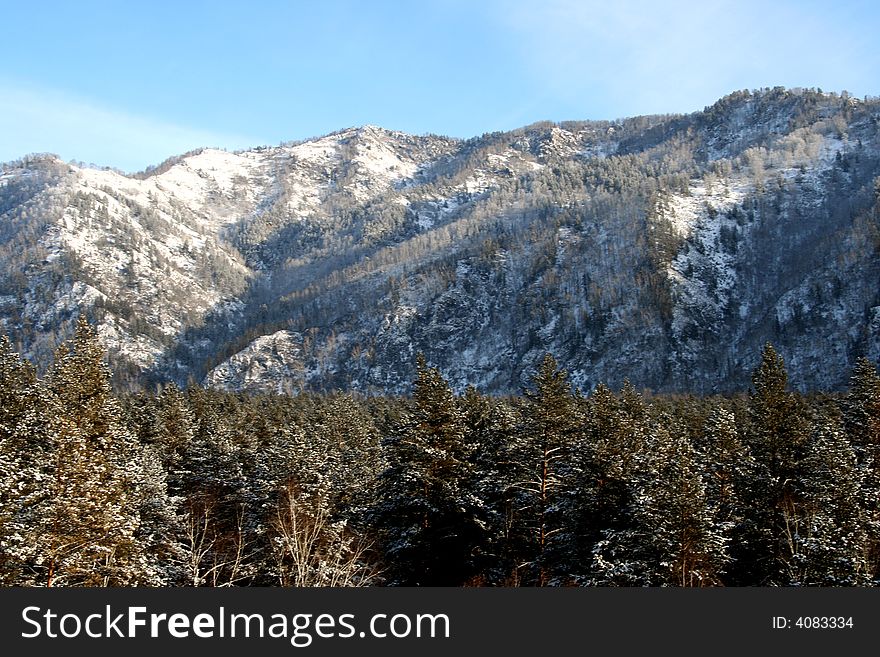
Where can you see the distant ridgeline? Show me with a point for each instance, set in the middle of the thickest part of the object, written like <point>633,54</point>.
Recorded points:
<point>211,488</point>
<point>666,250</point>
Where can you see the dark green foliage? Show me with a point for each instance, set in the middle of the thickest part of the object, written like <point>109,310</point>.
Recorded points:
<point>86,527</point>
<point>492,427</point>
<point>430,518</point>
<point>777,437</point>
<point>672,537</point>
<point>861,424</point>
<point>544,473</point>
<point>25,446</point>
<point>206,488</point>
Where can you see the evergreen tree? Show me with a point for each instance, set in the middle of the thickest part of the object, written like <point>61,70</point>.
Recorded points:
<point>491,426</point>
<point>25,443</point>
<point>861,409</point>
<point>610,451</point>
<point>673,538</point>
<point>86,532</point>
<point>430,520</point>
<point>728,464</point>
<point>727,473</point>
<point>778,434</point>
<point>218,526</point>
<point>685,533</point>
<point>825,534</point>
<point>544,459</point>
<point>282,480</point>
<point>861,422</point>
<point>173,431</point>
<point>160,527</point>
<point>350,456</point>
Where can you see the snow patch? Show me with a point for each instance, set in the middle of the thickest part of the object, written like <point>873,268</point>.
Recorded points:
<point>271,363</point>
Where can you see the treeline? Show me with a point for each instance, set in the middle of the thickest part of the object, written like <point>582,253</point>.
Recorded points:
<point>205,488</point>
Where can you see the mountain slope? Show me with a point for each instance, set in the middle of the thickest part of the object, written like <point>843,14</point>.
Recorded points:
<point>662,249</point>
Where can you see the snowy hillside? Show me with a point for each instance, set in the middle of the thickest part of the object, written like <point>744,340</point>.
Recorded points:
<point>663,249</point>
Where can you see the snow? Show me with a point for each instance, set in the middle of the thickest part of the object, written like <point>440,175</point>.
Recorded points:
<point>478,183</point>
<point>318,164</point>
<point>305,195</point>
<point>170,229</point>
<point>565,237</point>
<point>377,158</point>
<point>816,154</point>
<point>559,143</point>
<point>700,217</point>
<point>179,217</point>
<point>599,150</point>
<point>319,151</point>
<point>211,171</point>
<point>499,160</point>
<point>686,212</point>
<point>139,226</point>
<point>189,183</point>
<point>270,362</point>
<point>401,315</point>
<point>508,164</point>
<point>703,276</point>
<point>137,349</point>
<point>436,211</point>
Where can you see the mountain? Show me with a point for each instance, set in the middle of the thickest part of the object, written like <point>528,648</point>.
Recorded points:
<point>661,249</point>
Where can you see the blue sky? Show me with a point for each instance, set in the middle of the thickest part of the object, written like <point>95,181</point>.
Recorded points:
<point>128,84</point>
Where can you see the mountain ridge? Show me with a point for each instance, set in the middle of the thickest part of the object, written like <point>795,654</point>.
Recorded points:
<point>663,249</point>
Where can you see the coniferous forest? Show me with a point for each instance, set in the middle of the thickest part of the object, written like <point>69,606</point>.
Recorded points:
<point>556,487</point>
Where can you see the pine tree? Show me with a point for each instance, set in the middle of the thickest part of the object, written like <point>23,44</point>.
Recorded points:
<point>673,538</point>
<point>727,473</point>
<point>861,409</point>
<point>425,512</point>
<point>610,453</point>
<point>728,464</point>
<point>428,516</point>
<point>159,531</point>
<point>86,530</point>
<point>490,426</point>
<point>778,434</point>
<point>218,528</point>
<point>25,443</point>
<point>826,540</point>
<point>685,531</point>
<point>861,422</point>
<point>544,458</point>
<point>173,431</point>
<point>350,456</point>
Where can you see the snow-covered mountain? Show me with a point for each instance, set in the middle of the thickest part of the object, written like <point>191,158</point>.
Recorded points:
<point>663,249</point>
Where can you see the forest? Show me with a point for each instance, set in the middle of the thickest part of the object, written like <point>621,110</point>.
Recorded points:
<point>554,487</point>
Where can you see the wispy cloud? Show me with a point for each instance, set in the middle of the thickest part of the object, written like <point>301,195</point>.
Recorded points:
<point>39,120</point>
<point>649,56</point>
